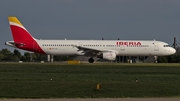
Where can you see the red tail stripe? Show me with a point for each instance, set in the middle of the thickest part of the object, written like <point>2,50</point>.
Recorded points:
<point>22,36</point>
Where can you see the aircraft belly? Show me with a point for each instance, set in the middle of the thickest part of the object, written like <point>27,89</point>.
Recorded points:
<point>136,52</point>
<point>60,51</point>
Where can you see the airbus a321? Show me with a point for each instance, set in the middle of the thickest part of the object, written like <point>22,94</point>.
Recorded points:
<point>105,49</point>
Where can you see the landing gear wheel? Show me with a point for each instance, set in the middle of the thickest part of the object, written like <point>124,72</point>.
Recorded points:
<point>155,59</point>
<point>91,60</point>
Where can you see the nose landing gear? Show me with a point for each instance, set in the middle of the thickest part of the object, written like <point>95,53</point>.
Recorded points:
<point>155,59</point>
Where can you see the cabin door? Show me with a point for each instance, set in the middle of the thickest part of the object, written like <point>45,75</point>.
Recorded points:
<point>122,47</point>
<point>156,46</point>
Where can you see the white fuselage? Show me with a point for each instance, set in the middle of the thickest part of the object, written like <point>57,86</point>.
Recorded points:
<point>120,47</point>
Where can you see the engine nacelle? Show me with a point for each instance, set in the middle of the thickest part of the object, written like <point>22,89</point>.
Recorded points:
<point>109,55</point>
<point>80,53</point>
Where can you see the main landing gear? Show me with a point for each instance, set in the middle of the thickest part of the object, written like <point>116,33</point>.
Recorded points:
<point>91,60</point>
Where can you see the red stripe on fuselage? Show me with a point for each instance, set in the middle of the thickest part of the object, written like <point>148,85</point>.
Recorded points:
<point>22,36</point>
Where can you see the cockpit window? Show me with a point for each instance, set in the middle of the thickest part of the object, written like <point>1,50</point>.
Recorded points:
<point>167,46</point>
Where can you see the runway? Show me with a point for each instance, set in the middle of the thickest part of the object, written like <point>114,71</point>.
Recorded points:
<point>99,99</point>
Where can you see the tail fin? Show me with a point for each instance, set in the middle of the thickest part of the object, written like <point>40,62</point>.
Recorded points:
<point>19,32</point>
<point>22,38</point>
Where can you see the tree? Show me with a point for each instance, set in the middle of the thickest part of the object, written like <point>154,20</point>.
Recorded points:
<point>17,53</point>
<point>169,59</point>
<point>162,59</point>
<point>63,58</point>
<point>1,56</point>
<point>40,57</point>
<point>27,56</point>
<point>6,55</point>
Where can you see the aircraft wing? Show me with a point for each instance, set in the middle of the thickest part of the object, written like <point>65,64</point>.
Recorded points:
<point>91,51</point>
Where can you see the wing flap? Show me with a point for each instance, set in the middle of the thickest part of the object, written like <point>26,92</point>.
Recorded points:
<point>91,51</point>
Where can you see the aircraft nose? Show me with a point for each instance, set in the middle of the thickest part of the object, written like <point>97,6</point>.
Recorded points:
<point>173,51</point>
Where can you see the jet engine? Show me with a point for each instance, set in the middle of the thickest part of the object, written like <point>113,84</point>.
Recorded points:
<point>109,55</point>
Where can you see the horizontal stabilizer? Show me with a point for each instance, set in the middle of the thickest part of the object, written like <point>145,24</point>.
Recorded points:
<point>13,44</point>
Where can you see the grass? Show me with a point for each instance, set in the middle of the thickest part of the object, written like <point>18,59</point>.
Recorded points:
<point>33,80</point>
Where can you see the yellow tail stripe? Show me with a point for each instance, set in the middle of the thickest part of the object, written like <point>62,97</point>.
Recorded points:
<point>15,20</point>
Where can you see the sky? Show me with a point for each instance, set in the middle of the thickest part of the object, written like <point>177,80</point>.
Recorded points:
<point>93,19</point>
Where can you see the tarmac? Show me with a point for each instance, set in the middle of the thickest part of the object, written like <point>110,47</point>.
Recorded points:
<point>98,99</point>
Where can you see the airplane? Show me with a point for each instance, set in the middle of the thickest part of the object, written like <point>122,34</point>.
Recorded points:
<point>105,49</point>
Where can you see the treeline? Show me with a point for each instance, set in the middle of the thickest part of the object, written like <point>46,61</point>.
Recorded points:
<point>8,56</point>
<point>169,59</point>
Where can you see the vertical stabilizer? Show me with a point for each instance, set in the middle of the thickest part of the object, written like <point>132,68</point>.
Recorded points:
<point>19,32</point>
<point>22,38</point>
